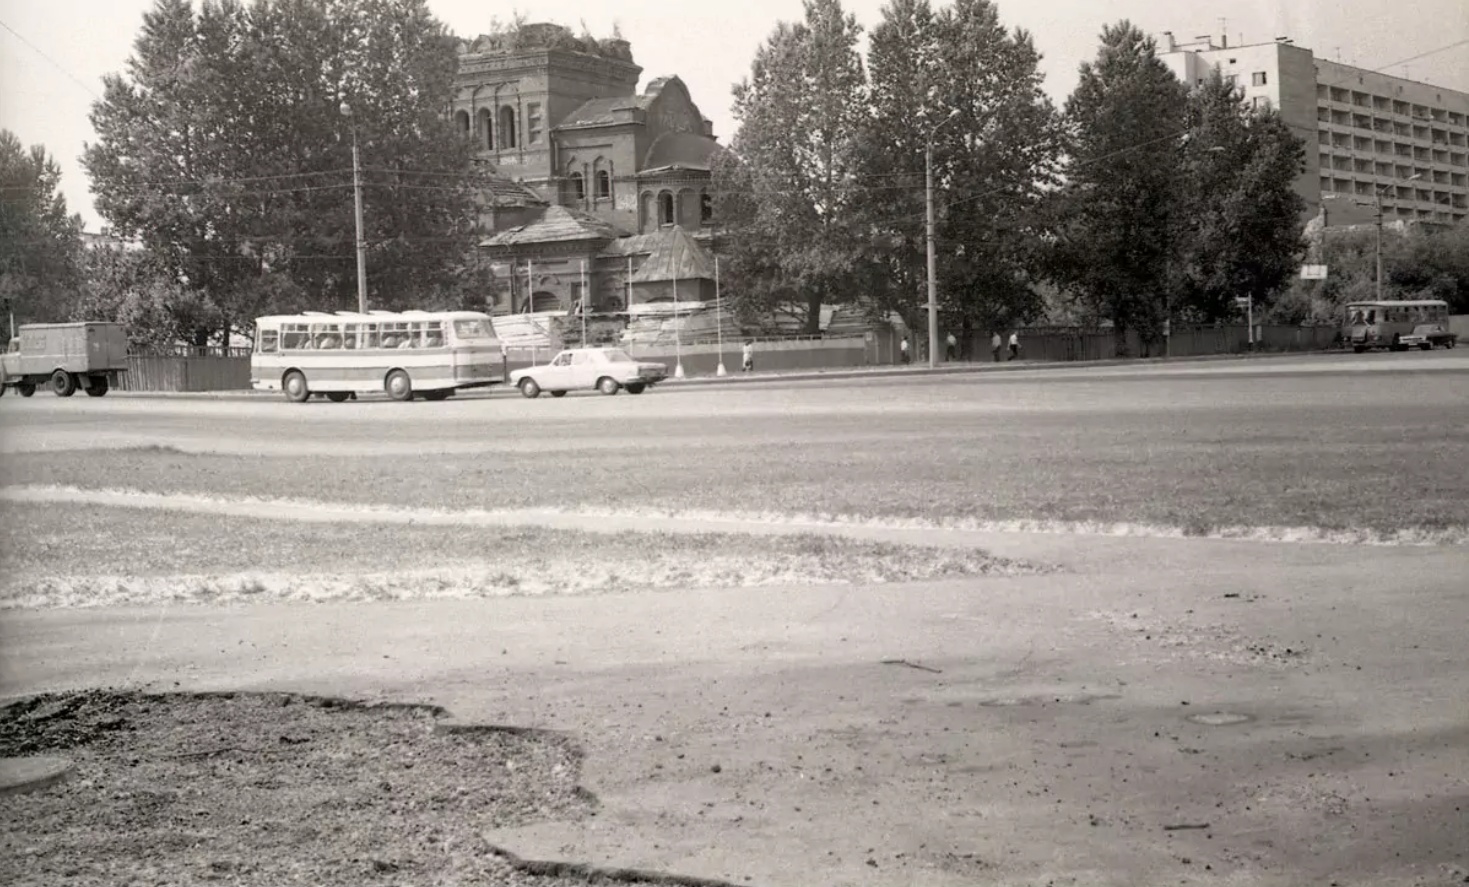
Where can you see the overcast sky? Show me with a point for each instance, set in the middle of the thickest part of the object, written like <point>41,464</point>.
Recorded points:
<point>53,53</point>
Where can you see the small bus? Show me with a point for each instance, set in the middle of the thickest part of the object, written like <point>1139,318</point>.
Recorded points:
<point>1381,324</point>
<point>408,354</point>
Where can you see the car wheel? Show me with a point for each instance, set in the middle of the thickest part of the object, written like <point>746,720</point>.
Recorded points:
<point>558,393</point>
<point>529,388</point>
<point>338,396</point>
<point>635,388</point>
<point>608,385</point>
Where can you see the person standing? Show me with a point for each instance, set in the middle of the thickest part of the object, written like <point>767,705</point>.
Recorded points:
<point>995,345</point>
<point>748,356</point>
<point>951,348</point>
<point>903,350</point>
<point>1014,344</point>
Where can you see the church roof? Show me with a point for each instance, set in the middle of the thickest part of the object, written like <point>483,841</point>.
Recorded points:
<point>604,112</point>
<point>672,253</point>
<point>503,191</point>
<point>556,224</point>
<point>680,150</point>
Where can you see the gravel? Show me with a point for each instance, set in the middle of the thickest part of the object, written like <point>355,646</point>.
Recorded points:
<point>276,789</point>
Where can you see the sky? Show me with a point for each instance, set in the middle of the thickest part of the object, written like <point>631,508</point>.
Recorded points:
<point>54,53</point>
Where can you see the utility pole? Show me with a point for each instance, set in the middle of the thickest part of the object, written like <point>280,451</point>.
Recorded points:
<point>357,198</point>
<point>933,299</point>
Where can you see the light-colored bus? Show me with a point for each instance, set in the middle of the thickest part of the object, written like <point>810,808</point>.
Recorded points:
<point>428,354</point>
<point>1380,324</point>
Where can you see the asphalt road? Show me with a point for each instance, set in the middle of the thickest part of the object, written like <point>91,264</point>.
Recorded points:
<point>1163,711</point>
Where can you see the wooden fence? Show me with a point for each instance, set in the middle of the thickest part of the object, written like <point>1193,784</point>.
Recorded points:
<point>216,370</point>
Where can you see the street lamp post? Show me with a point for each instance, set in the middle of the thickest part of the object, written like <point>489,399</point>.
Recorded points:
<point>933,299</point>
<point>357,198</point>
<point>1377,198</point>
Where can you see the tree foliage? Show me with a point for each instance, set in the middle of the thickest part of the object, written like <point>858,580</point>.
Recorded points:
<point>1242,234</point>
<point>1117,216</point>
<point>788,197</point>
<point>224,150</point>
<point>1421,262</point>
<point>40,243</point>
<point>958,76</point>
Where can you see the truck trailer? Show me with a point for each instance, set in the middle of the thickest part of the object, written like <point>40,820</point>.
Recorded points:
<point>88,355</point>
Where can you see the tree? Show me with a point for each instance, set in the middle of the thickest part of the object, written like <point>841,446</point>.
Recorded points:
<point>138,290</point>
<point>224,150</point>
<point>799,115</point>
<point>39,241</point>
<point>1242,234</point>
<point>1115,221</point>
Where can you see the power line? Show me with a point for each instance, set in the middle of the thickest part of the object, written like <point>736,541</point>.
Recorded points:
<point>48,58</point>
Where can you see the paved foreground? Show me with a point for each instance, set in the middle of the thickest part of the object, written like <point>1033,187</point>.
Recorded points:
<point>1163,711</point>
<point>1043,736</point>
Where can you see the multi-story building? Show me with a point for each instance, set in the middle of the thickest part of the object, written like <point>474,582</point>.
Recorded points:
<point>1368,134</point>
<point>602,194</point>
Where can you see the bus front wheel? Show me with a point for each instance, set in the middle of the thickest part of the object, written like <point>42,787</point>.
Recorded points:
<point>294,384</point>
<point>399,386</point>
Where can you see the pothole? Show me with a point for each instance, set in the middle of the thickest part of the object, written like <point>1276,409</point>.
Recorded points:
<point>1220,719</point>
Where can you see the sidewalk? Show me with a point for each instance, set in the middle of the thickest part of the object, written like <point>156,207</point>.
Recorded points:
<point>832,374</point>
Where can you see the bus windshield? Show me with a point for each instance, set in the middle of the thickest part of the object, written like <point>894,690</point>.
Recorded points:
<point>472,329</point>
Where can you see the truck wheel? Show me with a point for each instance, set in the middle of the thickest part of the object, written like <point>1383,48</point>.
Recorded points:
<point>25,389</point>
<point>294,384</point>
<point>97,387</point>
<point>63,384</point>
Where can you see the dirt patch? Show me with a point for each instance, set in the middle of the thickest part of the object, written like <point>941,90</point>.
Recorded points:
<point>274,789</point>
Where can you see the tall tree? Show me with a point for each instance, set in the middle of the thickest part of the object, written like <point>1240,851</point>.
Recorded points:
<point>799,115</point>
<point>40,243</point>
<point>1243,231</point>
<point>1116,218</point>
<point>224,150</point>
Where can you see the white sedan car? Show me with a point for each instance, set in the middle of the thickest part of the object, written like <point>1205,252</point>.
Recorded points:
<point>607,370</point>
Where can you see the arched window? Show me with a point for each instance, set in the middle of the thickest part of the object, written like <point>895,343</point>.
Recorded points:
<point>507,127</point>
<point>665,208</point>
<point>604,184</point>
<point>487,128</point>
<point>706,208</point>
<point>645,214</point>
<point>685,207</point>
<point>578,188</point>
<point>461,120</point>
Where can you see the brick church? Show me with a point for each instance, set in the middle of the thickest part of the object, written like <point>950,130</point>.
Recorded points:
<point>601,194</point>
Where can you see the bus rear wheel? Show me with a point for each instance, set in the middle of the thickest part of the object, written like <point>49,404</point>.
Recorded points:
<point>338,396</point>
<point>97,387</point>
<point>294,385</point>
<point>399,386</point>
<point>438,394</point>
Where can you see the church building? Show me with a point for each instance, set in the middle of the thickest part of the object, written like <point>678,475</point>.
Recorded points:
<point>601,198</point>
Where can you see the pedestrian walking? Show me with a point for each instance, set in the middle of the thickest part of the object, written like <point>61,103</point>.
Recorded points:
<point>1014,344</point>
<point>995,345</point>
<point>951,348</point>
<point>748,356</point>
<point>903,349</point>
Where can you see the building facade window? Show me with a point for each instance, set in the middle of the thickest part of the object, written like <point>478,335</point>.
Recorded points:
<point>578,188</point>
<point>706,208</point>
<point>1258,78</point>
<point>507,127</point>
<point>604,184</point>
<point>461,120</point>
<point>665,208</point>
<point>487,129</point>
<point>533,127</point>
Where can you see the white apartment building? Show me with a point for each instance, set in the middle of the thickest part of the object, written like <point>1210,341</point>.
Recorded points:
<point>1367,134</point>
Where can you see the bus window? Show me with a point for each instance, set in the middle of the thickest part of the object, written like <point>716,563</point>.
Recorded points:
<point>471,329</point>
<point>294,336</point>
<point>367,335</point>
<point>269,341</point>
<point>327,336</point>
<point>434,334</point>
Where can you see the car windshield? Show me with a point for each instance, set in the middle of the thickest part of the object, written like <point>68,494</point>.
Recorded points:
<point>617,355</point>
